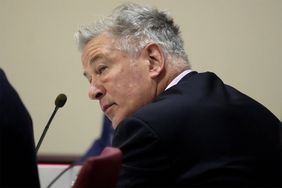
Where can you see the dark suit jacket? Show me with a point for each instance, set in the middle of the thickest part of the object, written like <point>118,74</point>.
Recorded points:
<point>200,132</point>
<point>17,158</point>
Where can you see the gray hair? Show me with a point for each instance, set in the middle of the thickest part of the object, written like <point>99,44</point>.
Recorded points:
<point>133,27</point>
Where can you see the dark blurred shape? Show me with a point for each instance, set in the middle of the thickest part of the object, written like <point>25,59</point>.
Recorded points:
<point>17,158</point>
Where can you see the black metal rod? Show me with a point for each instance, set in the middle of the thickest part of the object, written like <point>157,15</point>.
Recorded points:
<point>46,129</point>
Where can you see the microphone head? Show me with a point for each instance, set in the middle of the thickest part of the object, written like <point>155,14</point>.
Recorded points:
<point>60,100</point>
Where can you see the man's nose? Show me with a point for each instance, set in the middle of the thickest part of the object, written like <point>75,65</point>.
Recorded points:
<point>96,91</point>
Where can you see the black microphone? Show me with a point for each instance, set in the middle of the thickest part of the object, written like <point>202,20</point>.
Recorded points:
<point>59,102</point>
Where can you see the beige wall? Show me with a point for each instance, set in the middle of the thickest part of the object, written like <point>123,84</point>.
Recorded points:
<point>240,40</point>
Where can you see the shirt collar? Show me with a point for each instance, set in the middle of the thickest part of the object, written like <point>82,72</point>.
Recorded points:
<point>178,78</point>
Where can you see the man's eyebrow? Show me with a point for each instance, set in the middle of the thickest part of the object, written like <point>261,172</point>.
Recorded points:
<point>96,58</point>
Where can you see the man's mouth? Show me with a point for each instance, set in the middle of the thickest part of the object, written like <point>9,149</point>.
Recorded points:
<point>106,107</point>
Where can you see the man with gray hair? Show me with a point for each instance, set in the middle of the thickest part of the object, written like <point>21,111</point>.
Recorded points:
<point>175,127</point>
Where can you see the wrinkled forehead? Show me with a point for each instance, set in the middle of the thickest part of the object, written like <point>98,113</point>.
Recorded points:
<point>99,43</point>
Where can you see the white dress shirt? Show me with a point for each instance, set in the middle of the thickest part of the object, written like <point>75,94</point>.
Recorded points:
<point>178,78</point>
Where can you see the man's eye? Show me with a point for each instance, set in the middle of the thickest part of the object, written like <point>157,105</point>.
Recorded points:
<point>101,69</point>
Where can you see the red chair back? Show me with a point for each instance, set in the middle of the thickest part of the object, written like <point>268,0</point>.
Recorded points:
<point>100,171</point>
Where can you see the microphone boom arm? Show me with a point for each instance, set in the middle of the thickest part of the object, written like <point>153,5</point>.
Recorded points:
<point>59,102</point>
<point>46,129</point>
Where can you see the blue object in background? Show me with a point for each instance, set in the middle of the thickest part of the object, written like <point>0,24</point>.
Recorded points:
<point>102,142</point>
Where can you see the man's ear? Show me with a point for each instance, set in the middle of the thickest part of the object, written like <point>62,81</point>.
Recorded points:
<point>156,59</point>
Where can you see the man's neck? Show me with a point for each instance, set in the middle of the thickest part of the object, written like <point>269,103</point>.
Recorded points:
<point>169,74</point>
